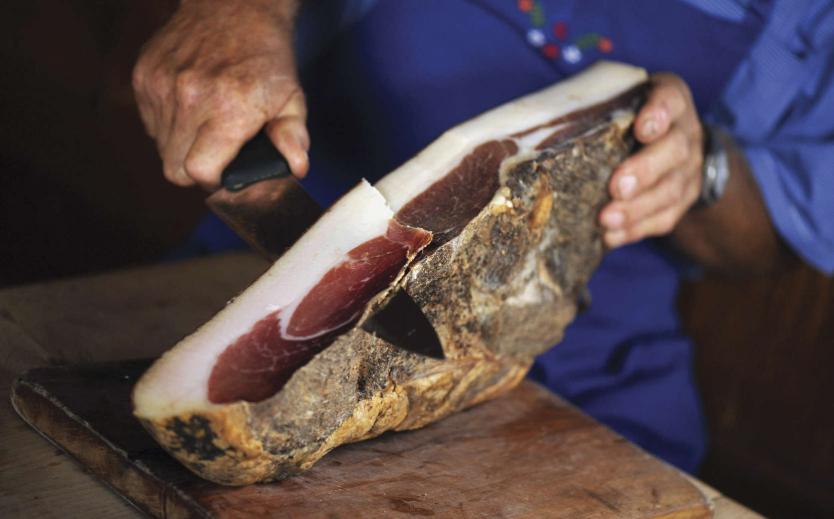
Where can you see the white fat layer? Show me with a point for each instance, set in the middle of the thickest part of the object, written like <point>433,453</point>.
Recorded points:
<point>178,382</point>
<point>597,84</point>
<point>534,138</point>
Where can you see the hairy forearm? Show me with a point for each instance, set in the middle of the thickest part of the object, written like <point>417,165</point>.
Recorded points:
<point>735,235</point>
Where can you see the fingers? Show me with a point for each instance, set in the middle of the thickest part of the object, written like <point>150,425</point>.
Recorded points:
<point>288,133</point>
<point>668,100</point>
<point>215,145</point>
<point>642,170</point>
<point>180,140</point>
<point>141,90</point>
<point>656,225</point>
<point>154,90</point>
<point>187,118</point>
<point>652,189</point>
<point>213,77</point>
<point>200,123</point>
<point>648,214</point>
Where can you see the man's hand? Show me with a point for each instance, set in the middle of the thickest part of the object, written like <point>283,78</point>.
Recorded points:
<point>655,187</point>
<point>218,72</point>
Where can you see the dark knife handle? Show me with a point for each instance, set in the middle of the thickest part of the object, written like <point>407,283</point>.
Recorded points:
<point>257,160</point>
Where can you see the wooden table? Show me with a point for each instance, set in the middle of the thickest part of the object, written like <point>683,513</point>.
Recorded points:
<point>128,314</point>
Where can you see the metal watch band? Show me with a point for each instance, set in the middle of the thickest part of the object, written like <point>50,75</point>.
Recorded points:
<point>716,169</point>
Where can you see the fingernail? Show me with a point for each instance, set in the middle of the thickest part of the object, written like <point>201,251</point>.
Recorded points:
<point>626,186</point>
<point>613,219</point>
<point>615,238</point>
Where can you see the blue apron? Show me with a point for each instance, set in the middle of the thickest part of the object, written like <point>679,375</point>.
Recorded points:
<point>408,70</point>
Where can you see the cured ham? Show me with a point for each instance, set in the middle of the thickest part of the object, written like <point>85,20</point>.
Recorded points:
<point>491,231</point>
<point>314,291</point>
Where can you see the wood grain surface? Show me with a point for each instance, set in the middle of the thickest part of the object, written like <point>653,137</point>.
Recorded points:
<point>141,312</point>
<point>133,313</point>
<point>527,454</point>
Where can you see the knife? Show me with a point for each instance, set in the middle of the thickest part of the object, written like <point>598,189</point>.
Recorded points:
<point>265,205</point>
<point>262,201</point>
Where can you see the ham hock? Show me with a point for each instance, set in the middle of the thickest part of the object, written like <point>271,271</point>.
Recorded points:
<point>491,230</point>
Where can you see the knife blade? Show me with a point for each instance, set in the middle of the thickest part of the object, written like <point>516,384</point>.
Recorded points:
<point>262,201</point>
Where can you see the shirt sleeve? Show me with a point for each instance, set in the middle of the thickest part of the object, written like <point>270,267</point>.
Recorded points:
<point>797,184</point>
<point>779,106</point>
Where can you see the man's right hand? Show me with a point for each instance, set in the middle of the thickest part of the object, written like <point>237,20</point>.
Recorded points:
<point>212,77</point>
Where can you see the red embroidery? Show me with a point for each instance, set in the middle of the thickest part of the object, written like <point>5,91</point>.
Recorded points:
<point>560,30</point>
<point>569,51</point>
<point>551,50</point>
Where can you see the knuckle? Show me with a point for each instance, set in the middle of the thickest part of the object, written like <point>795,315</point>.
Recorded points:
<point>236,129</point>
<point>188,88</point>
<point>200,170</point>
<point>296,105</point>
<point>171,174</point>
<point>159,81</point>
<point>138,76</point>
<point>638,164</point>
<point>172,177</point>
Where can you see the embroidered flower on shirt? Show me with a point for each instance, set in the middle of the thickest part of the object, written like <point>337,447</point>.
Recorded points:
<point>536,37</point>
<point>559,46</point>
<point>572,54</point>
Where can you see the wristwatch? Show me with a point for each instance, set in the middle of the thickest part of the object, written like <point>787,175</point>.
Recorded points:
<point>716,169</point>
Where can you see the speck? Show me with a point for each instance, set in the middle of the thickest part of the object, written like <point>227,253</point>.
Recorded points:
<point>550,51</point>
<point>535,37</point>
<point>572,54</point>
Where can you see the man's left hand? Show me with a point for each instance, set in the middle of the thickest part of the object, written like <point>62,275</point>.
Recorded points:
<point>655,187</point>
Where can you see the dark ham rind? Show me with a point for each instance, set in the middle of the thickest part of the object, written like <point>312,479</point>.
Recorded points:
<point>259,363</point>
<point>496,292</point>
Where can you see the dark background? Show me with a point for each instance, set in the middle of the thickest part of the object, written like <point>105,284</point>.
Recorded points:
<point>81,191</point>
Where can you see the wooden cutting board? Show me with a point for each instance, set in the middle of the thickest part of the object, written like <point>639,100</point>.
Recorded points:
<point>527,454</point>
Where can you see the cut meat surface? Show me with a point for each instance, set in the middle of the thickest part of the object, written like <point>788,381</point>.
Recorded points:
<point>258,364</point>
<point>319,287</point>
<point>450,203</point>
<point>489,234</point>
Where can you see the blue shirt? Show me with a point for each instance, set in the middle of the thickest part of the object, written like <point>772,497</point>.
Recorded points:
<point>779,104</point>
<point>399,73</point>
